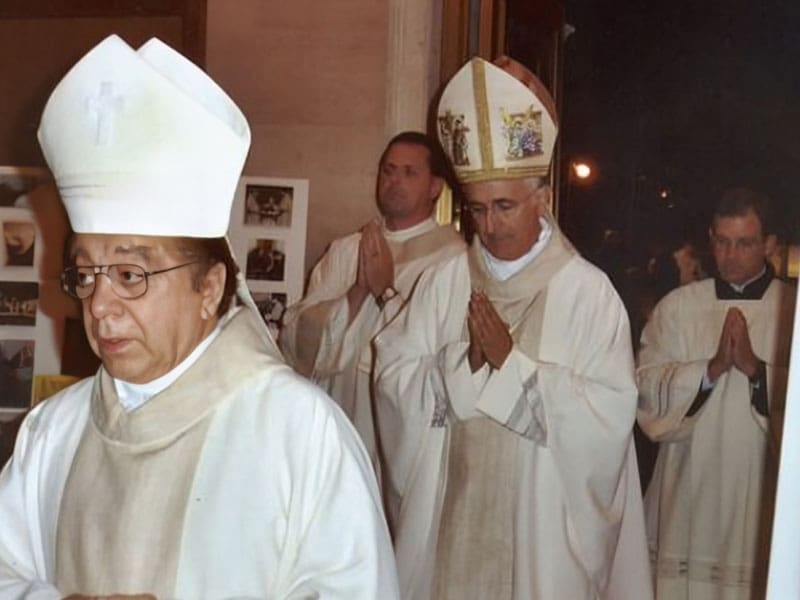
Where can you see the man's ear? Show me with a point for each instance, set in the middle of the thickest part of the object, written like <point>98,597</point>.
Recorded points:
<point>437,185</point>
<point>711,234</point>
<point>544,196</point>
<point>770,244</point>
<point>212,291</point>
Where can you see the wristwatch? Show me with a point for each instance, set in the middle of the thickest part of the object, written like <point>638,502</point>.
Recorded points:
<point>385,296</point>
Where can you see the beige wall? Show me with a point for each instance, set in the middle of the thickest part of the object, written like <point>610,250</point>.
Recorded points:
<point>36,53</point>
<point>310,77</point>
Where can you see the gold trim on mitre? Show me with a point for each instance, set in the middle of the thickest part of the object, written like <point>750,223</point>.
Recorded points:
<point>497,121</point>
<point>482,110</point>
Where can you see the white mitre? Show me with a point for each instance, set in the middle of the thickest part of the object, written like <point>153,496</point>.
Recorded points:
<point>497,121</point>
<point>143,142</point>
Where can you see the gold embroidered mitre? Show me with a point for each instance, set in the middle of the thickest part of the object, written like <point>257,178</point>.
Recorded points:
<point>497,121</point>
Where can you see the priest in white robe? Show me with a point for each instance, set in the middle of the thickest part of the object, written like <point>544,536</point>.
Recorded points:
<point>195,464</point>
<point>505,388</point>
<point>364,278</point>
<point>712,373</point>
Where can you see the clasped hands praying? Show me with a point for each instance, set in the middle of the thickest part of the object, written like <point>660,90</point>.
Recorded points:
<point>489,339</point>
<point>734,348</point>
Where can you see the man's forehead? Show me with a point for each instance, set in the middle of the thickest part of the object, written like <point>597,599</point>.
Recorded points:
<point>499,189</point>
<point>143,246</point>
<point>746,223</point>
<point>401,153</point>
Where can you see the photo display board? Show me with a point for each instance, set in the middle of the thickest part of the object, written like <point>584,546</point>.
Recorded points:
<point>268,234</point>
<point>32,306</point>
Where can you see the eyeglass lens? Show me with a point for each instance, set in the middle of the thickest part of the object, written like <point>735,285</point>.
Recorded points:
<point>128,281</point>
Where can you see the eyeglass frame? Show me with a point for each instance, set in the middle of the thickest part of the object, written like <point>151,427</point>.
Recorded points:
<point>739,244</point>
<point>104,270</point>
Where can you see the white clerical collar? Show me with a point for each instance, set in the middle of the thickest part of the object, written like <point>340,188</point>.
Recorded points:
<point>504,269</point>
<point>739,287</point>
<point>402,235</point>
<point>134,395</point>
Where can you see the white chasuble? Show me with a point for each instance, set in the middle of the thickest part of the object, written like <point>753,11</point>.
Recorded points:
<point>239,481</point>
<point>521,482</point>
<point>321,341</point>
<point>128,490</point>
<point>476,531</point>
<point>709,503</point>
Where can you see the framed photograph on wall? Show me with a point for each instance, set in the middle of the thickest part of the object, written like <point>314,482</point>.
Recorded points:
<point>18,302</point>
<point>32,307</point>
<point>271,305</point>
<point>16,373</point>
<point>268,234</point>
<point>269,205</point>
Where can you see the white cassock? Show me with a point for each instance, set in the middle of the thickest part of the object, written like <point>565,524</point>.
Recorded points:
<point>317,338</point>
<point>240,480</point>
<point>708,506</point>
<point>517,483</point>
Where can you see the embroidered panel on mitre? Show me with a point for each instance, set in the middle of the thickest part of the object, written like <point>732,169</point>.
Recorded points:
<point>492,125</point>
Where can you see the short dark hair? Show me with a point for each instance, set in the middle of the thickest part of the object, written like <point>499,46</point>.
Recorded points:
<point>436,158</point>
<point>208,252</point>
<point>738,201</point>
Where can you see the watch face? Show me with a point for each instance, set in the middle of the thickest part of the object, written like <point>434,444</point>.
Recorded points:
<point>387,295</point>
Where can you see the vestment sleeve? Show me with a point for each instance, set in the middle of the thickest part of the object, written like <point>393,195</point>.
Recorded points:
<point>412,407</point>
<point>318,338</point>
<point>775,380</point>
<point>773,348</point>
<point>668,383</point>
<point>577,402</point>
<point>337,542</point>
<point>412,354</point>
<point>21,561</point>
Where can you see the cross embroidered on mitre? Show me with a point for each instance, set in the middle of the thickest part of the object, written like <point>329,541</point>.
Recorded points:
<point>104,108</point>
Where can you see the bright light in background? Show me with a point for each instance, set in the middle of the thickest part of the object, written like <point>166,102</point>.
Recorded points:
<point>666,195</point>
<point>582,170</point>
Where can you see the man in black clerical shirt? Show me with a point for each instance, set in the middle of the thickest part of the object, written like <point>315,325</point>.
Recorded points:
<point>712,375</point>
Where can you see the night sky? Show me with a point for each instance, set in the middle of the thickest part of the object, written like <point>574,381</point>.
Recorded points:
<point>689,97</point>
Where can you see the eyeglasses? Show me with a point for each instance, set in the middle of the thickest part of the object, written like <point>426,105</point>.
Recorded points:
<point>740,244</point>
<point>499,208</point>
<point>127,281</point>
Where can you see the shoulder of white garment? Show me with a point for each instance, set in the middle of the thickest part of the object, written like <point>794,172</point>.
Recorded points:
<point>351,239</point>
<point>286,393</point>
<point>59,410</point>
<point>694,294</point>
<point>584,273</point>
<point>341,248</point>
<point>444,272</point>
<point>581,288</point>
